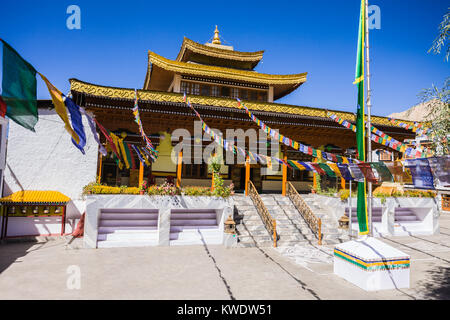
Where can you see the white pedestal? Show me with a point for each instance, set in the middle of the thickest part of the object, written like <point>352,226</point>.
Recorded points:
<point>372,265</point>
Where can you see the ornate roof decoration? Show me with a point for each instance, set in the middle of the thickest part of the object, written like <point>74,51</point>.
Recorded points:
<point>216,39</point>
<point>226,73</point>
<point>161,71</point>
<point>190,46</point>
<point>121,93</point>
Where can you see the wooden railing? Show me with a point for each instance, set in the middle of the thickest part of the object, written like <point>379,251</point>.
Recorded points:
<point>314,223</point>
<point>269,222</point>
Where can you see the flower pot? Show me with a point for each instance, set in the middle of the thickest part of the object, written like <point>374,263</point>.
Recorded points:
<point>141,192</point>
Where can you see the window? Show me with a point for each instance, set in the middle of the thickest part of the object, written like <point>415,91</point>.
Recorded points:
<point>225,92</point>
<point>243,94</point>
<point>195,88</point>
<point>262,96</point>
<point>385,155</point>
<point>235,93</point>
<point>254,95</point>
<point>184,87</point>
<point>194,171</point>
<point>215,91</point>
<point>205,91</point>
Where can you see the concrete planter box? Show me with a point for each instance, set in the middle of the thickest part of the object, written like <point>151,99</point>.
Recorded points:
<point>164,204</point>
<point>426,209</point>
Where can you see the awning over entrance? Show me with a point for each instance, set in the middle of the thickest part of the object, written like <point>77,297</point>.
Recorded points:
<point>32,197</point>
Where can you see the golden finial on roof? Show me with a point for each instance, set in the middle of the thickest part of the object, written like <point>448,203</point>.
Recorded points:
<point>216,39</point>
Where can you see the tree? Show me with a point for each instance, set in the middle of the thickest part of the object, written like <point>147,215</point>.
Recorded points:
<point>437,99</point>
<point>441,41</point>
<point>438,105</point>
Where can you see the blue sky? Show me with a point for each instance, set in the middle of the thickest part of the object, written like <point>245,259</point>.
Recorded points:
<point>298,36</point>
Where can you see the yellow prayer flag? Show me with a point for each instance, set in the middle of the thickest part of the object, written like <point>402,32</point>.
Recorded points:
<point>335,168</point>
<point>122,150</point>
<point>60,107</point>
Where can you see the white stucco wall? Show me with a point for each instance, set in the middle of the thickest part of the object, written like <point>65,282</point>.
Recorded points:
<point>48,160</point>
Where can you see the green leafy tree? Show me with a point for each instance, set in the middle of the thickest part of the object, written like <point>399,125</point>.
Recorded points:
<point>438,105</point>
<point>440,43</point>
<point>437,99</point>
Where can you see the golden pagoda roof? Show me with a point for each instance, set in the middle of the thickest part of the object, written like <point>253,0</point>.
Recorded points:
<point>196,52</point>
<point>122,93</point>
<point>35,197</point>
<point>161,70</point>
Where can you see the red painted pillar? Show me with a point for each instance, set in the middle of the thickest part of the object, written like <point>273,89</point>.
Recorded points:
<point>63,221</point>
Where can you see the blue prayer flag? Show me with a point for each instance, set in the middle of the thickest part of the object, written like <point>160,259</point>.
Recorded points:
<point>77,123</point>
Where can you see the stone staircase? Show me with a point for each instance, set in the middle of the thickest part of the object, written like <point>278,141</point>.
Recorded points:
<point>291,227</point>
<point>332,234</point>
<point>119,228</point>
<point>249,226</point>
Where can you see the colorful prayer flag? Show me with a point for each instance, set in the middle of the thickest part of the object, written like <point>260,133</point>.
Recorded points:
<point>18,100</point>
<point>60,107</point>
<point>77,123</point>
<point>91,123</point>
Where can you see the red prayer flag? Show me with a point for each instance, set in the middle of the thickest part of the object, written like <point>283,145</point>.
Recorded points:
<point>108,138</point>
<point>366,169</point>
<point>318,168</point>
<point>2,107</point>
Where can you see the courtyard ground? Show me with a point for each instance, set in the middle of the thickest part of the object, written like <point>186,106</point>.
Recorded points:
<point>45,271</point>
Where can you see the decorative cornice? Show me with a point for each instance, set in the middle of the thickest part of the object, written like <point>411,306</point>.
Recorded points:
<point>217,52</point>
<point>122,93</point>
<point>226,73</point>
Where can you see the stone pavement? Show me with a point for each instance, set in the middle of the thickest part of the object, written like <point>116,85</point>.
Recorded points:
<point>42,271</point>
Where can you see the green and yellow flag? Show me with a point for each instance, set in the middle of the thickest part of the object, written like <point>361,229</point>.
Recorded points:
<point>360,122</point>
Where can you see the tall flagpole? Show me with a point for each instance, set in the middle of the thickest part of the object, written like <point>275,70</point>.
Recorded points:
<point>369,124</point>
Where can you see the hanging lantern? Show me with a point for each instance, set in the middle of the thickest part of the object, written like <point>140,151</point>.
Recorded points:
<point>58,210</point>
<point>12,210</point>
<point>24,210</point>
<point>230,226</point>
<point>46,210</point>
<point>36,210</point>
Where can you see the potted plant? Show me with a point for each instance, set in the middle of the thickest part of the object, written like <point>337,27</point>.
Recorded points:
<point>143,187</point>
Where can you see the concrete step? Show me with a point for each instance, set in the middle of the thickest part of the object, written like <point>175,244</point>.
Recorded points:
<point>122,236</point>
<point>128,216</point>
<point>411,217</point>
<point>126,229</point>
<point>193,222</point>
<point>183,228</point>
<point>127,223</point>
<point>182,216</point>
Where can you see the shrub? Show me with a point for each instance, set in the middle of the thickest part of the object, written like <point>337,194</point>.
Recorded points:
<point>344,194</point>
<point>197,191</point>
<point>167,189</point>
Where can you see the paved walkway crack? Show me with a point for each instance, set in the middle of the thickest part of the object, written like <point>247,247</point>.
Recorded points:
<point>301,283</point>
<point>227,286</point>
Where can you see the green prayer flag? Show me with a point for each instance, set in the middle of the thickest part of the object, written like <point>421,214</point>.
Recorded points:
<point>383,171</point>
<point>128,154</point>
<point>19,88</point>
<point>327,170</point>
<point>360,121</point>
